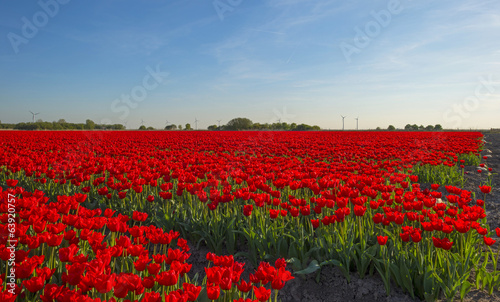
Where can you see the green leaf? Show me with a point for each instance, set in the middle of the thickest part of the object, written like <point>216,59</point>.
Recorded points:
<point>330,262</point>
<point>464,289</point>
<point>313,266</point>
<point>282,247</point>
<point>395,272</point>
<point>297,264</point>
<point>203,297</point>
<point>292,252</point>
<point>314,249</point>
<point>406,278</point>
<point>479,277</point>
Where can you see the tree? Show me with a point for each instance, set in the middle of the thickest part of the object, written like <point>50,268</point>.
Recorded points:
<point>89,124</point>
<point>303,127</point>
<point>142,127</point>
<point>61,121</point>
<point>212,127</point>
<point>117,127</point>
<point>391,128</point>
<point>150,128</point>
<point>179,127</point>
<point>378,128</point>
<point>170,127</point>
<point>285,126</point>
<point>56,126</point>
<point>413,127</point>
<point>187,127</point>
<point>438,127</point>
<point>429,128</point>
<point>239,123</point>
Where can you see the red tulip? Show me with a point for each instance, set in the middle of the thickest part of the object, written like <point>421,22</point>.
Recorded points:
<point>359,210</point>
<point>213,292</point>
<point>104,283</point>
<point>12,182</point>
<point>192,291</point>
<point>247,210</point>
<point>488,241</point>
<point>50,293</point>
<point>167,278</point>
<point>34,284</point>
<point>382,240</point>
<point>485,189</point>
<point>416,236</point>
<point>261,293</point>
<point>315,223</point>
<point>66,254</point>
<point>244,287</point>
<point>7,296</point>
<point>152,297</point>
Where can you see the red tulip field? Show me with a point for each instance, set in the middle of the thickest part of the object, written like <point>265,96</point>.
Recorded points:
<point>114,215</point>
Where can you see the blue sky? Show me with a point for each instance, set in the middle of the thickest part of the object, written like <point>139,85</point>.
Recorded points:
<point>388,62</point>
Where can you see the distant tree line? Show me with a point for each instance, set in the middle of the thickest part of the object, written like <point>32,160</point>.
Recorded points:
<point>61,125</point>
<point>415,127</point>
<point>241,123</point>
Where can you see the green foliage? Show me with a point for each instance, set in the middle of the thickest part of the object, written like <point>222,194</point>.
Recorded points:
<point>89,125</point>
<point>239,123</point>
<point>61,124</point>
<point>414,127</point>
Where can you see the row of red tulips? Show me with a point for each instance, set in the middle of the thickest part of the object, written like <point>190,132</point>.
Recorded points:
<point>66,252</point>
<point>315,198</point>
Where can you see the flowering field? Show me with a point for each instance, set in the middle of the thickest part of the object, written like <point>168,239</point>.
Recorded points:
<point>101,216</point>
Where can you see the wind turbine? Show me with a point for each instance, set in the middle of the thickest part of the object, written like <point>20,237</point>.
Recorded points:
<point>34,114</point>
<point>167,123</point>
<point>126,124</point>
<point>142,122</point>
<point>196,123</point>
<point>343,117</point>
<point>357,122</point>
<point>219,123</point>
